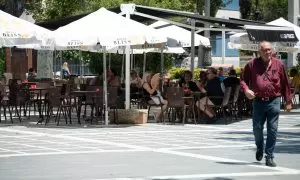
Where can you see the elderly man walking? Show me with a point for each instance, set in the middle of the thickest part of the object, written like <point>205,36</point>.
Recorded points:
<point>264,79</point>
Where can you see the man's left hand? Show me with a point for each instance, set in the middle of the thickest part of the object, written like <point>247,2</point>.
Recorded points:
<point>288,107</point>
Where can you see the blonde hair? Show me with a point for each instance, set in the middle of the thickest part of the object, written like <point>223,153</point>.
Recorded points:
<point>145,77</point>
<point>65,66</point>
<point>155,80</point>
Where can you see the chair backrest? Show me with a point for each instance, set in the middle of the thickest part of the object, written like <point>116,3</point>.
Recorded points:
<point>7,76</point>
<point>54,97</point>
<point>2,92</point>
<point>89,96</point>
<point>66,89</point>
<point>44,85</point>
<point>112,96</point>
<point>226,96</point>
<point>236,93</point>
<point>13,92</point>
<point>175,96</point>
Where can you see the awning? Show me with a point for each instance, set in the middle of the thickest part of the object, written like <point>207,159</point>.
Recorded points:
<point>271,33</point>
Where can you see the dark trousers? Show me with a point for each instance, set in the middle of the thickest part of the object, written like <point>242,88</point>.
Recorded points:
<point>262,111</point>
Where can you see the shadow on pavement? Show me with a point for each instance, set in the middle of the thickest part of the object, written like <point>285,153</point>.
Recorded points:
<point>287,142</point>
<point>215,178</point>
<point>219,178</point>
<point>32,123</point>
<point>290,113</point>
<point>240,163</point>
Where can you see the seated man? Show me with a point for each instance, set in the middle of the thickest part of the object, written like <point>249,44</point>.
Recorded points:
<point>220,73</point>
<point>231,80</point>
<point>215,88</point>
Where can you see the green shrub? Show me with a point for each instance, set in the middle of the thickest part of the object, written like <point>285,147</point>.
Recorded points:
<point>238,71</point>
<point>175,73</point>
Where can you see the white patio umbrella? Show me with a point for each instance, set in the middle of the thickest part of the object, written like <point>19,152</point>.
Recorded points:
<point>178,36</point>
<point>15,31</point>
<point>103,30</point>
<point>241,40</point>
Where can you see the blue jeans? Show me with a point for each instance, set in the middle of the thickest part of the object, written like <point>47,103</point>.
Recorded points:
<point>262,111</point>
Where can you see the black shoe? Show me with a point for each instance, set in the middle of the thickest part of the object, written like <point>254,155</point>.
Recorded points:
<point>270,162</point>
<point>259,154</point>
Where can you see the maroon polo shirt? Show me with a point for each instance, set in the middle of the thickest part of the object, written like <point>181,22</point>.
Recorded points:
<point>265,82</point>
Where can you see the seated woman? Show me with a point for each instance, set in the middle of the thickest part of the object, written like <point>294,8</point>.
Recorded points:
<point>202,81</point>
<point>31,75</point>
<point>295,82</point>
<point>135,80</point>
<point>151,85</point>
<point>215,88</point>
<point>186,81</point>
<point>112,79</point>
<point>66,71</point>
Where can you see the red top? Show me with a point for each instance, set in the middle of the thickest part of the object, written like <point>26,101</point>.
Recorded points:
<point>266,81</point>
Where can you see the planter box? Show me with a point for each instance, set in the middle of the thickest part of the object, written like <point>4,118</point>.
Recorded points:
<point>129,116</point>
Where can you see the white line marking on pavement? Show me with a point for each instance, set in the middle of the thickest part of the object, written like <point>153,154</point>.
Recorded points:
<point>123,145</point>
<point>141,148</point>
<point>226,160</point>
<point>9,150</point>
<point>58,143</point>
<point>207,147</point>
<point>27,145</point>
<point>196,176</point>
<point>70,152</point>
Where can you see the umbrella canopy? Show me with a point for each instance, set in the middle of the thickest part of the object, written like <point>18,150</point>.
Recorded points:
<point>282,22</point>
<point>15,31</point>
<point>104,28</point>
<point>137,50</point>
<point>177,36</point>
<point>241,40</point>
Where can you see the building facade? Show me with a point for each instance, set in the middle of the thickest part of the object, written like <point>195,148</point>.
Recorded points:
<point>231,10</point>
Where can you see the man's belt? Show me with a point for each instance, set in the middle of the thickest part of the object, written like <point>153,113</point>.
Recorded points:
<point>266,98</point>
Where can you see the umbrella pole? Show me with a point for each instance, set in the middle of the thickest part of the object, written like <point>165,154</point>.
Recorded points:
<point>162,67</point>
<point>54,64</point>
<point>61,63</point>
<point>80,70</point>
<point>223,47</point>
<point>127,73</point>
<point>131,65</point>
<point>144,63</point>
<point>105,86</point>
<point>123,64</point>
<point>109,60</point>
<point>127,78</point>
<point>193,48</point>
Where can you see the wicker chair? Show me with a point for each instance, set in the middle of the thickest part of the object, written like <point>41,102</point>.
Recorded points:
<point>176,101</point>
<point>234,101</point>
<point>63,103</point>
<point>220,109</point>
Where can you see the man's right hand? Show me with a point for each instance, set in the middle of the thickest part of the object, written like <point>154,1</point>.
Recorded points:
<point>250,94</point>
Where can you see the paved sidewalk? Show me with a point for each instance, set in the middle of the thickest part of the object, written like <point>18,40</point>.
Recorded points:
<point>152,151</point>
